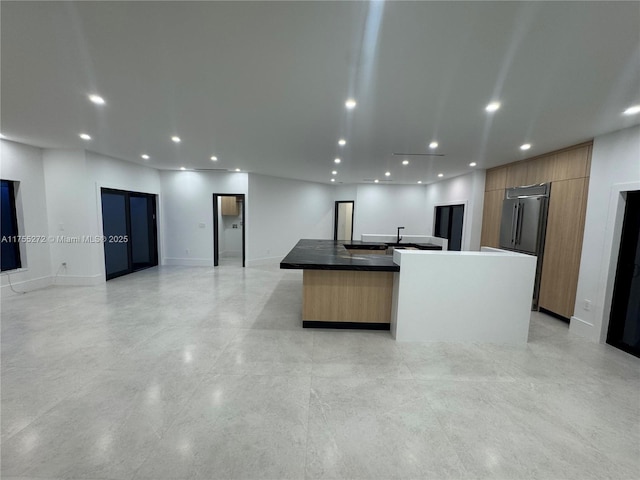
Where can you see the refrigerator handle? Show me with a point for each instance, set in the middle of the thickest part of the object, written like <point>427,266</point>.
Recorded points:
<point>519,223</point>
<point>514,224</point>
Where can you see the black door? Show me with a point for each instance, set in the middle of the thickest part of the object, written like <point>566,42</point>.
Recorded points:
<point>448,224</point>
<point>129,228</point>
<point>624,322</point>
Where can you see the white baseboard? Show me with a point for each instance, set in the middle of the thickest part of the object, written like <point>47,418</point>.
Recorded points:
<point>583,329</point>
<point>26,285</point>
<point>260,262</point>
<point>188,262</point>
<point>79,280</point>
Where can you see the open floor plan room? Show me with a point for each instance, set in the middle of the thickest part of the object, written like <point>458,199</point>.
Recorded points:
<point>200,373</point>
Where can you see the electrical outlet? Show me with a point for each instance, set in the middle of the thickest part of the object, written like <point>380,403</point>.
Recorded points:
<point>587,305</point>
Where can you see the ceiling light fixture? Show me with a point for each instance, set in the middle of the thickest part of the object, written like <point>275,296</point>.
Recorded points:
<point>405,162</point>
<point>433,145</point>
<point>342,142</point>
<point>97,99</point>
<point>492,107</point>
<point>419,181</point>
<point>441,175</point>
<point>376,181</point>
<point>175,139</point>
<point>182,168</point>
<point>85,136</point>
<point>472,164</point>
<point>337,160</point>
<point>237,169</point>
<point>387,174</point>
<point>214,158</point>
<point>350,104</point>
<point>632,110</point>
<point>525,146</point>
<point>333,179</point>
<point>145,156</point>
<point>334,172</point>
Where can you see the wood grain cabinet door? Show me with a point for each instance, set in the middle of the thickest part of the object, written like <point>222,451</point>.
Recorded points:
<point>491,213</point>
<point>563,246</point>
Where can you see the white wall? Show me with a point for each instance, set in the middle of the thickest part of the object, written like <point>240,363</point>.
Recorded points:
<point>187,202</point>
<point>467,190</point>
<point>24,164</point>
<point>280,212</point>
<point>615,168</point>
<point>384,208</point>
<point>71,212</point>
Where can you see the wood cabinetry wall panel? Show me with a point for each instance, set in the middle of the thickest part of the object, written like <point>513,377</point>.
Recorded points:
<point>496,179</point>
<point>563,245</point>
<point>539,170</point>
<point>491,213</point>
<point>517,174</point>
<point>573,163</point>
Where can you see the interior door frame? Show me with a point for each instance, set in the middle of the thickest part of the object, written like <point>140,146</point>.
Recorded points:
<point>153,234</point>
<point>464,219</point>
<point>622,280</point>
<point>216,227</point>
<point>335,219</point>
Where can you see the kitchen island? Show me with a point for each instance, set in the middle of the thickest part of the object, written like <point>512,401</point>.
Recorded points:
<point>346,284</point>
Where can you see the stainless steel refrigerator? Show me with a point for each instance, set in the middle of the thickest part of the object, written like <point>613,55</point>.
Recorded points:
<point>524,222</point>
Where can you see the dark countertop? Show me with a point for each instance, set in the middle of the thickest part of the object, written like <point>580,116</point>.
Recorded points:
<point>332,255</point>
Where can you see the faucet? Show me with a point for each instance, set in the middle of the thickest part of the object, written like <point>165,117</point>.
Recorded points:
<point>399,237</point>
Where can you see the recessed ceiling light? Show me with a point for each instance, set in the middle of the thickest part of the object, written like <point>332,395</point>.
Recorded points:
<point>214,158</point>
<point>237,169</point>
<point>2,136</point>
<point>376,181</point>
<point>145,156</point>
<point>182,168</point>
<point>350,104</point>
<point>342,142</point>
<point>433,145</point>
<point>387,174</point>
<point>333,179</point>
<point>97,99</point>
<point>85,136</point>
<point>525,146</point>
<point>175,139</point>
<point>472,164</point>
<point>405,162</point>
<point>334,172</point>
<point>441,175</point>
<point>337,160</point>
<point>492,107</point>
<point>632,110</point>
<point>419,181</point>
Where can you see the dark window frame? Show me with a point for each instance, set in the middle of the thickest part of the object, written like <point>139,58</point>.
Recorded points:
<point>14,245</point>
<point>437,221</point>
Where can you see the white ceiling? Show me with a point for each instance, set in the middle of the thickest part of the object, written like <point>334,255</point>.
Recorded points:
<point>262,85</point>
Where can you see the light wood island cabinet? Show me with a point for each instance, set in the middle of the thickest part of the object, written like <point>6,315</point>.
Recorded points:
<point>568,171</point>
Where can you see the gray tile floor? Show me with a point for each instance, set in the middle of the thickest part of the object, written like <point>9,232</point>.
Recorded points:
<point>195,373</point>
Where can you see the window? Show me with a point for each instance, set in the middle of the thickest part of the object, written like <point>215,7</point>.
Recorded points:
<point>10,253</point>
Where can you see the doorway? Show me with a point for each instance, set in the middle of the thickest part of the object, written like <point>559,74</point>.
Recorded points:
<point>449,220</point>
<point>343,225</point>
<point>228,229</point>
<point>130,231</point>
<point>624,320</point>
